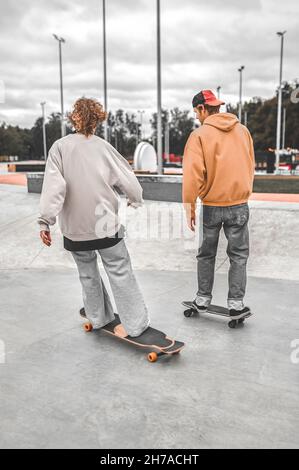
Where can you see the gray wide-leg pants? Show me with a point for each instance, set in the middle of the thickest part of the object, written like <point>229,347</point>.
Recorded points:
<point>127,295</point>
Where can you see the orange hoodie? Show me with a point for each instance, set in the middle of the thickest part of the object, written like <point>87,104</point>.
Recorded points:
<point>218,164</point>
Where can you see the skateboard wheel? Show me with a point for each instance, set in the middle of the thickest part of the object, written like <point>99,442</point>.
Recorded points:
<point>188,313</point>
<point>232,324</point>
<point>241,321</point>
<point>87,327</point>
<point>152,357</point>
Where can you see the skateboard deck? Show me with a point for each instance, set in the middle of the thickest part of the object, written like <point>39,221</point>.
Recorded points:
<point>151,338</point>
<point>214,310</point>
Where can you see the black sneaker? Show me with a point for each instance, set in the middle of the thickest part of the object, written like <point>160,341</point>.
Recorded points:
<point>82,312</point>
<point>238,314</point>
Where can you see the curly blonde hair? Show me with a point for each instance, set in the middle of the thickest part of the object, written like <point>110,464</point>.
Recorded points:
<point>86,115</point>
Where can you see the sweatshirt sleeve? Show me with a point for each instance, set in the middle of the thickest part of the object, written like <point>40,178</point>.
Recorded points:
<point>123,177</point>
<point>53,191</point>
<point>194,172</point>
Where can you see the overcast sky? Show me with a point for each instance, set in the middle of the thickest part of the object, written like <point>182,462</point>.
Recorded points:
<point>203,44</point>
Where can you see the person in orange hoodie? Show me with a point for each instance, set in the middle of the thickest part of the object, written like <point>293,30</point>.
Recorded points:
<point>218,168</point>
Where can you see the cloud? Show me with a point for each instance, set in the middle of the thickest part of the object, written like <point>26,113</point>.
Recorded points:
<point>203,44</point>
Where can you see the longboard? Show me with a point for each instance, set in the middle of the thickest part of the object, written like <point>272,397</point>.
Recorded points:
<point>151,338</point>
<point>214,310</point>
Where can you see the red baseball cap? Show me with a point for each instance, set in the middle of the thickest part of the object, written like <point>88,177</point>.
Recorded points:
<point>206,97</point>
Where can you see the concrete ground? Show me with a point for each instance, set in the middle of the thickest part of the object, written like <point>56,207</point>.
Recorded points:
<point>61,387</point>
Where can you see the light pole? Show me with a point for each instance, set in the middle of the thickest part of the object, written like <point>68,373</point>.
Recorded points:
<point>218,92</point>
<point>159,93</point>
<point>137,133</point>
<point>60,41</point>
<point>44,130</point>
<point>284,127</point>
<point>279,100</point>
<point>240,70</point>
<point>167,138</point>
<point>141,122</point>
<point>105,68</point>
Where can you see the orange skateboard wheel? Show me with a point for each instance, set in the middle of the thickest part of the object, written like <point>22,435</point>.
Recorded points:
<point>152,357</point>
<point>87,327</point>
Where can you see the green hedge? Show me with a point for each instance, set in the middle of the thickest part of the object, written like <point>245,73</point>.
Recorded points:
<point>276,184</point>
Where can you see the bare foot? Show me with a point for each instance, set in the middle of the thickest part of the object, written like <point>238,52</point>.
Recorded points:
<point>120,331</point>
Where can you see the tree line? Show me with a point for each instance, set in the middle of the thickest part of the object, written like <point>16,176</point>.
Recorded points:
<point>124,129</point>
<point>262,118</point>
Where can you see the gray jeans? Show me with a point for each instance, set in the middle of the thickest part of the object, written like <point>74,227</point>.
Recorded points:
<point>234,220</point>
<point>127,295</point>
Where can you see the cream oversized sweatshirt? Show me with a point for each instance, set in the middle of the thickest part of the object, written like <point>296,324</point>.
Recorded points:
<point>218,163</point>
<point>79,187</point>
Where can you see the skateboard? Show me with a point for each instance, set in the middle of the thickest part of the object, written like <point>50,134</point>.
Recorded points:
<point>214,310</point>
<point>151,338</point>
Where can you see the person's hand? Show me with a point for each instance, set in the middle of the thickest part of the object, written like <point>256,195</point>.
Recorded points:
<point>191,221</point>
<point>134,205</point>
<point>46,237</point>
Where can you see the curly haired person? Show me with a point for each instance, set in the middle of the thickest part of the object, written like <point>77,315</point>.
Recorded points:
<point>82,175</point>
